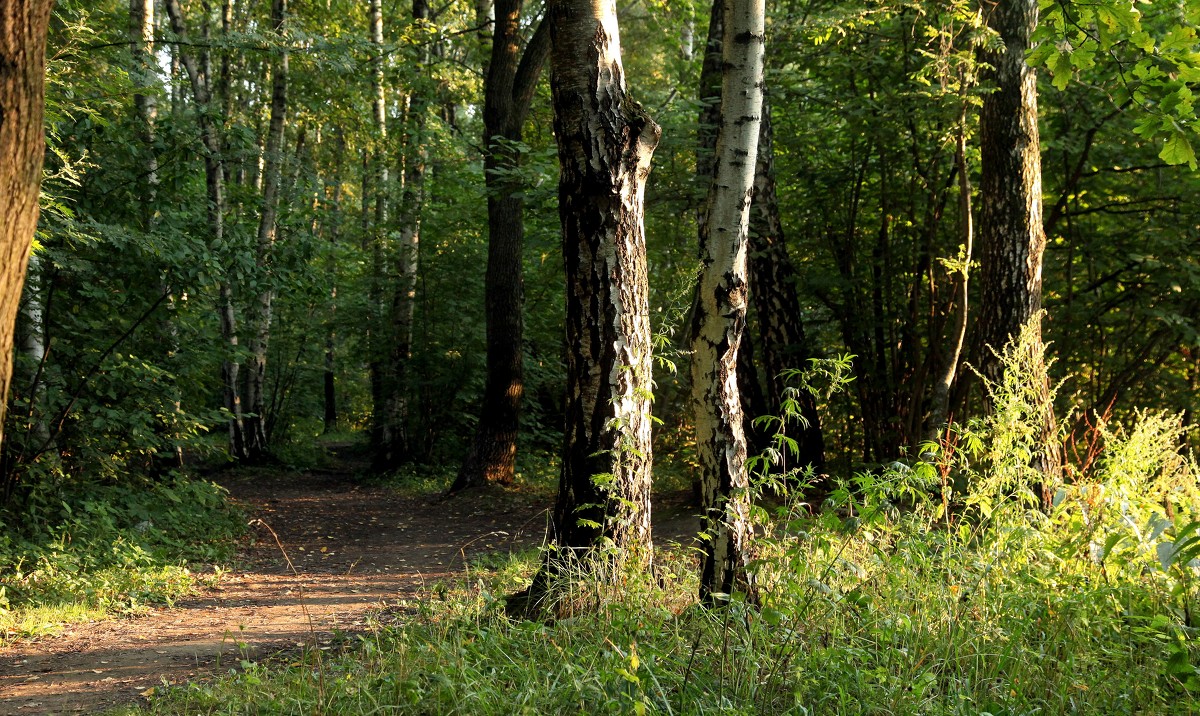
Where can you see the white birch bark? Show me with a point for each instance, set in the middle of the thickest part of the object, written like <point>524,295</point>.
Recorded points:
<point>721,304</point>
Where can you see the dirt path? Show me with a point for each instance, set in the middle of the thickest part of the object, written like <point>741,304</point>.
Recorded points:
<point>354,550</point>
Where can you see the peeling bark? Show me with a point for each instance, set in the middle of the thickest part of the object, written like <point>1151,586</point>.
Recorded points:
<point>605,145</point>
<point>722,298</point>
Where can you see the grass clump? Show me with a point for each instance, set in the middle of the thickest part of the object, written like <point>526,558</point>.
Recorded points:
<point>80,552</point>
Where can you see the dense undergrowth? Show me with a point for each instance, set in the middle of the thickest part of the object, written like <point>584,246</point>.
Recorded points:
<point>79,552</point>
<point>939,585</point>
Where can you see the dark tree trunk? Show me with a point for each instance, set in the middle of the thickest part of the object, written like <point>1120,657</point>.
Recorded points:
<point>605,145</point>
<point>377,345</point>
<point>947,372</point>
<point>1011,235</point>
<point>23,25</point>
<point>507,96</point>
<point>773,295</point>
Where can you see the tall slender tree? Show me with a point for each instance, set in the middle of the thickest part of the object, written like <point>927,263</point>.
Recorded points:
<point>199,70</point>
<point>508,93</point>
<point>260,329</point>
<point>404,261</point>
<point>720,315</point>
<point>376,232</point>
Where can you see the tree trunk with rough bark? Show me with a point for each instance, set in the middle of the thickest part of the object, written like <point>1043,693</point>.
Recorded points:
<point>605,145</point>
<point>1011,235</point>
<point>508,92</point>
<point>260,330</point>
<point>23,26</point>
<point>720,315</point>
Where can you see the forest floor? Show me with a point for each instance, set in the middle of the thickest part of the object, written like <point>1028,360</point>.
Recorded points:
<point>346,553</point>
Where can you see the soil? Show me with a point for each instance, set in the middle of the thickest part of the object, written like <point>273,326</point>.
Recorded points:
<point>345,553</point>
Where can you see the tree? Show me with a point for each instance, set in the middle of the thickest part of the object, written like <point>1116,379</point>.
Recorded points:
<point>720,315</point>
<point>605,145</point>
<point>512,77</point>
<point>1011,237</point>
<point>260,330</point>
<point>199,71</point>
<point>23,27</point>
<point>772,284</point>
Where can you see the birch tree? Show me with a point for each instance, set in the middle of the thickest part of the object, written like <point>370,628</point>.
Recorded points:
<point>720,315</point>
<point>605,145</point>
<point>199,71</point>
<point>256,438</point>
<point>1011,236</point>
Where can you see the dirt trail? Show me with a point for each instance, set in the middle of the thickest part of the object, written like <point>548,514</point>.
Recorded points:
<point>354,550</point>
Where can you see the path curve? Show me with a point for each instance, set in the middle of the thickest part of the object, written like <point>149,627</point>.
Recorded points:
<point>354,551</point>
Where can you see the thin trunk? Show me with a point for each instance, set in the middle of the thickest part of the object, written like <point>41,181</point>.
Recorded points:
<point>256,437</point>
<point>939,411</point>
<point>1011,235</point>
<point>378,348</point>
<point>721,308</point>
<point>396,445</point>
<point>331,273</point>
<point>145,103</point>
<point>199,73</point>
<point>508,93</point>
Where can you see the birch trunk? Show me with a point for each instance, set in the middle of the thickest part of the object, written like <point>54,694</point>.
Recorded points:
<point>605,145</point>
<point>260,336</point>
<point>23,25</point>
<point>721,306</point>
<point>1011,236</point>
<point>377,347</point>
<point>199,71</point>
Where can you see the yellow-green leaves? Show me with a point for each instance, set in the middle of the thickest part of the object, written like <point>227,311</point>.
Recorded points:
<point>1146,57</point>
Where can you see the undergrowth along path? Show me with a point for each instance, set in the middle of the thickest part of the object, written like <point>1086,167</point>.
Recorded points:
<point>325,555</point>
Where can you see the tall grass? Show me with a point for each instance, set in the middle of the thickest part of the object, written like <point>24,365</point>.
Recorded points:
<point>932,586</point>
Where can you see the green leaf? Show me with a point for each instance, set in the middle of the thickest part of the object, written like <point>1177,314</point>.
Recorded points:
<point>1178,150</point>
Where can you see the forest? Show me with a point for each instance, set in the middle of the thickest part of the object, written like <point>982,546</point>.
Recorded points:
<point>599,356</point>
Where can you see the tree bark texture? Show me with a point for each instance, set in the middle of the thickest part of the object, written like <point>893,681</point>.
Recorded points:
<point>605,145</point>
<point>508,92</point>
<point>256,436</point>
<point>720,315</point>
<point>1011,236</point>
<point>199,71</point>
<point>23,26</point>
<point>773,294</point>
